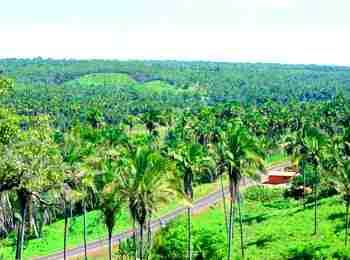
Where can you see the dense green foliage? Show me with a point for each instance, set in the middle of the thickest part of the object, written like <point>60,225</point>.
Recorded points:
<point>116,87</point>
<point>125,138</point>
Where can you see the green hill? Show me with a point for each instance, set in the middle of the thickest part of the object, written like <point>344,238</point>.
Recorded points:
<point>104,79</point>
<point>156,87</point>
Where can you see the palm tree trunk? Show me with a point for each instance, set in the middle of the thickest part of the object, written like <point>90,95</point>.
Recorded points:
<point>233,193</point>
<point>347,221</point>
<point>85,231</point>
<point>304,188</point>
<point>240,222</point>
<point>149,236</point>
<point>65,231</point>
<point>189,229</point>
<point>189,192</point>
<point>29,217</point>
<point>315,207</point>
<point>21,227</point>
<point>224,203</point>
<point>109,243</point>
<point>134,238</point>
<point>230,233</point>
<point>141,241</point>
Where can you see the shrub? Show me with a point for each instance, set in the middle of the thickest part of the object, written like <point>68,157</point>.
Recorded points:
<point>171,243</point>
<point>263,194</point>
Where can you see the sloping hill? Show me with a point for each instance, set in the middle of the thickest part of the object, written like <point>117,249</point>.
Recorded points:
<point>156,87</point>
<point>104,79</point>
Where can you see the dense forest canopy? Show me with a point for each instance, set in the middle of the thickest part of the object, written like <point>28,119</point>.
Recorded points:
<point>121,87</point>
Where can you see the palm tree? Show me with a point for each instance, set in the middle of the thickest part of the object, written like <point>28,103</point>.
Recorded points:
<point>221,169</point>
<point>78,178</point>
<point>79,188</point>
<point>312,148</point>
<point>152,119</point>
<point>243,156</point>
<point>342,181</point>
<point>5,85</point>
<point>339,164</point>
<point>147,181</point>
<point>111,204</point>
<point>190,160</point>
<point>107,182</point>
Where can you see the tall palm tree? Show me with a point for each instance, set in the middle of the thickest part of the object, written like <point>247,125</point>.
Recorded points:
<point>107,183</point>
<point>79,181</point>
<point>339,164</point>
<point>147,181</point>
<point>312,150</point>
<point>243,157</point>
<point>111,205</point>
<point>80,187</point>
<point>190,160</point>
<point>221,169</point>
<point>342,181</point>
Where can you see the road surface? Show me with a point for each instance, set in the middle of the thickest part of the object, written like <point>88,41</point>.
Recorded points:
<point>155,224</point>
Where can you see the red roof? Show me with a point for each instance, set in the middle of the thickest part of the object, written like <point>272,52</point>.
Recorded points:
<point>278,178</point>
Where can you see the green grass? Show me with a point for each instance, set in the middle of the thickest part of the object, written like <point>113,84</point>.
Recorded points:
<point>156,87</point>
<point>277,230</point>
<point>101,79</point>
<point>277,157</point>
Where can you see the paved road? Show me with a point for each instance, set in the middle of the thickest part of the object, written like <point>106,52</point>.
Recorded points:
<point>155,224</point>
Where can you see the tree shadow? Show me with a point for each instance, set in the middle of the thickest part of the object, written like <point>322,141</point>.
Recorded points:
<point>277,205</point>
<point>262,241</point>
<point>307,206</point>
<point>335,216</point>
<point>305,253</point>
<point>255,219</point>
<point>339,228</point>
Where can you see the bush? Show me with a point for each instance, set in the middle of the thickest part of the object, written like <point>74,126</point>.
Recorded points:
<point>263,194</point>
<point>171,243</point>
<point>317,250</point>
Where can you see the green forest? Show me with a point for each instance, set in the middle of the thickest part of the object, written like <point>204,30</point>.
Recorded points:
<point>93,148</point>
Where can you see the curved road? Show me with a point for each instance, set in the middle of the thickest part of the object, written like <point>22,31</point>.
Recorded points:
<point>155,224</point>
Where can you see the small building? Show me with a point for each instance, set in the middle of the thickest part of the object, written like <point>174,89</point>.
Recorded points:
<point>278,177</point>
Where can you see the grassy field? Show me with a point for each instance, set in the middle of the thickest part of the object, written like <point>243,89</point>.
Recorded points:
<point>156,87</point>
<point>98,79</point>
<point>276,230</point>
<point>124,80</point>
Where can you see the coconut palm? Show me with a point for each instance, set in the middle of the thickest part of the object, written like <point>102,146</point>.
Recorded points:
<point>6,85</point>
<point>111,201</point>
<point>79,186</point>
<point>342,181</point>
<point>69,197</point>
<point>243,156</point>
<point>147,181</point>
<point>190,160</point>
<point>312,149</point>
<point>339,164</point>
<point>152,119</point>
<point>79,180</point>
